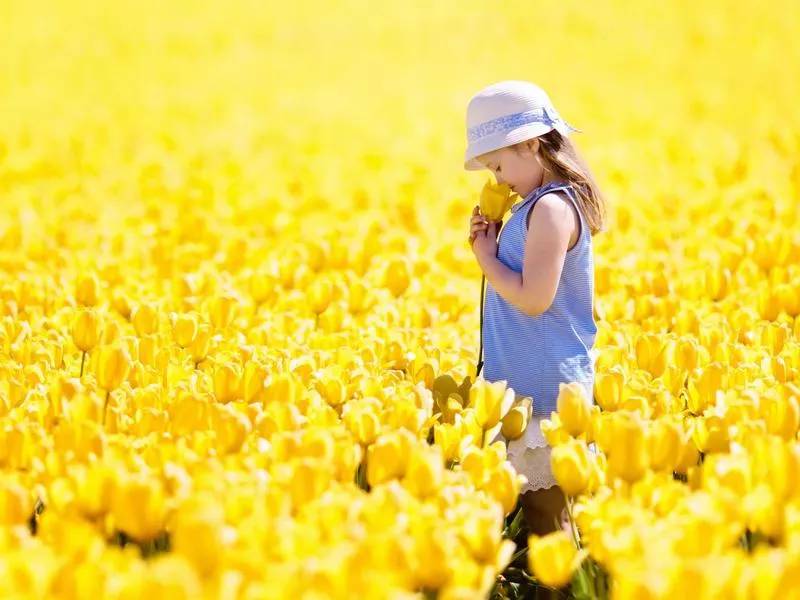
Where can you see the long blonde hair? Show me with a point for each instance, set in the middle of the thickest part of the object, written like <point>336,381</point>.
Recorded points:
<point>561,157</point>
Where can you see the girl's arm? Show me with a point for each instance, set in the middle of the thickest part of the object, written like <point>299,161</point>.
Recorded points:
<point>553,228</point>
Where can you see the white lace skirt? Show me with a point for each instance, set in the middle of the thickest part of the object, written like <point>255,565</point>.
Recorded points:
<point>530,456</point>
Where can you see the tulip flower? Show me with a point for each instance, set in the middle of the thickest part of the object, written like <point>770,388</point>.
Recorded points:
<point>144,318</point>
<point>398,276</point>
<point>87,290</point>
<point>571,467</point>
<point>184,329</point>
<point>516,420</point>
<point>87,331</point>
<point>553,558</point>
<point>139,507</point>
<point>574,409</point>
<point>495,200</point>
<point>491,402</point>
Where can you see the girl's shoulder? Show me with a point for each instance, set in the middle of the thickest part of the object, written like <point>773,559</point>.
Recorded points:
<point>554,206</point>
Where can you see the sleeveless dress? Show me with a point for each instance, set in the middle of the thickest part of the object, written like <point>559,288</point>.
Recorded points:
<point>535,354</point>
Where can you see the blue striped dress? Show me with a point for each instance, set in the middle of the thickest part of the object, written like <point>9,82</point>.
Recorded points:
<point>535,354</point>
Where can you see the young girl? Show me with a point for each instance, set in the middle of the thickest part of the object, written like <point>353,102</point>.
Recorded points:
<point>538,321</point>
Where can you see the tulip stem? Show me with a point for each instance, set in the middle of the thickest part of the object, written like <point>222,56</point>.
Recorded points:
<point>105,407</point>
<point>572,528</point>
<point>83,362</point>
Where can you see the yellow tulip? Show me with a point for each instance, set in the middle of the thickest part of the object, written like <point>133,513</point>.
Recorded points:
<point>425,475</point>
<point>230,426</point>
<point>228,382</point>
<point>184,329</point>
<point>609,386</point>
<point>144,319</point>
<point>255,374</point>
<point>388,457</point>
<point>571,467</point>
<point>782,416</point>
<point>113,366</point>
<point>764,513</point>
<point>139,507</point>
<point>87,290</point>
<point>95,489</point>
<point>359,298</point>
<point>553,559</point>
<point>201,346</point>
<point>495,200</point>
<point>397,276</point>
<point>87,330</point>
<point>627,455</point>
<point>448,437</point>
<point>704,390</point>
<point>491,402</point>
<point>553,431</point>
<point>503,485</point>
<point>667,438</point>
<point>198,534</point>
<point>516,420</point>
<point>319,296</point>
<point>262,287</point>
<point>16,504</point>
<point>222,310</point>
<point>363,424</point>
<point>574,409</point>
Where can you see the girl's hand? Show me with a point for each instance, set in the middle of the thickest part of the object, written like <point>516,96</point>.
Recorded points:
<point>483,235</point>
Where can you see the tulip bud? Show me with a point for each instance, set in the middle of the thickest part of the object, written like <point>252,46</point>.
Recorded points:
<point>319,295</point>
<point>553,432</point>
<point>398,276</point>
<point>553,559</point>
<point>113,367</point>
<point>363,424</point>
<point>503,485</point>
<point>782,416</point>
<point>262,287</point>
<point>222,310</point>
<point>608,388</point>
<point>571,467</point>
<point>87,330</point>
<point>359,298</point>
<point>448,438</point>
<point>16,504</point>
<point>202,343</point>
<point>388,457</point>
<point>495,200</point>
<point>516,420</point>
<point>627,456</point>
<point>144,319</point>
<point>574,409</point>
<point>198,534</point>
<point>184,329</point>
<point>139,507</point>
<point>491,402</point>
<point>255,374</point>
<point>666,441</point>
<point>425,472</point>
<point>87,290</point>
<point>228,382</point>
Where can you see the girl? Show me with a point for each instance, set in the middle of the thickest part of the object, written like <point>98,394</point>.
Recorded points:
<point>538,322</point>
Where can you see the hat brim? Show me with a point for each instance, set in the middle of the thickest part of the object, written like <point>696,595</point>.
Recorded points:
<point>504,139</point>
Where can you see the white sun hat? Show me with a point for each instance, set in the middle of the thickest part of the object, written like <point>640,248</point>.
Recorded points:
<point>507,113</point>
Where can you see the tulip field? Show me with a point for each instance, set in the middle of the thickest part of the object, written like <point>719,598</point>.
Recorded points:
<point>239,311</point>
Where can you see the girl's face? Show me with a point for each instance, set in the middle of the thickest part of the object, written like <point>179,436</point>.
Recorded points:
<point>517,166</point>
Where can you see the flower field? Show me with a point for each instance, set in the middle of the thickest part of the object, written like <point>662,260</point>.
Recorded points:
<point>239,312</point>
